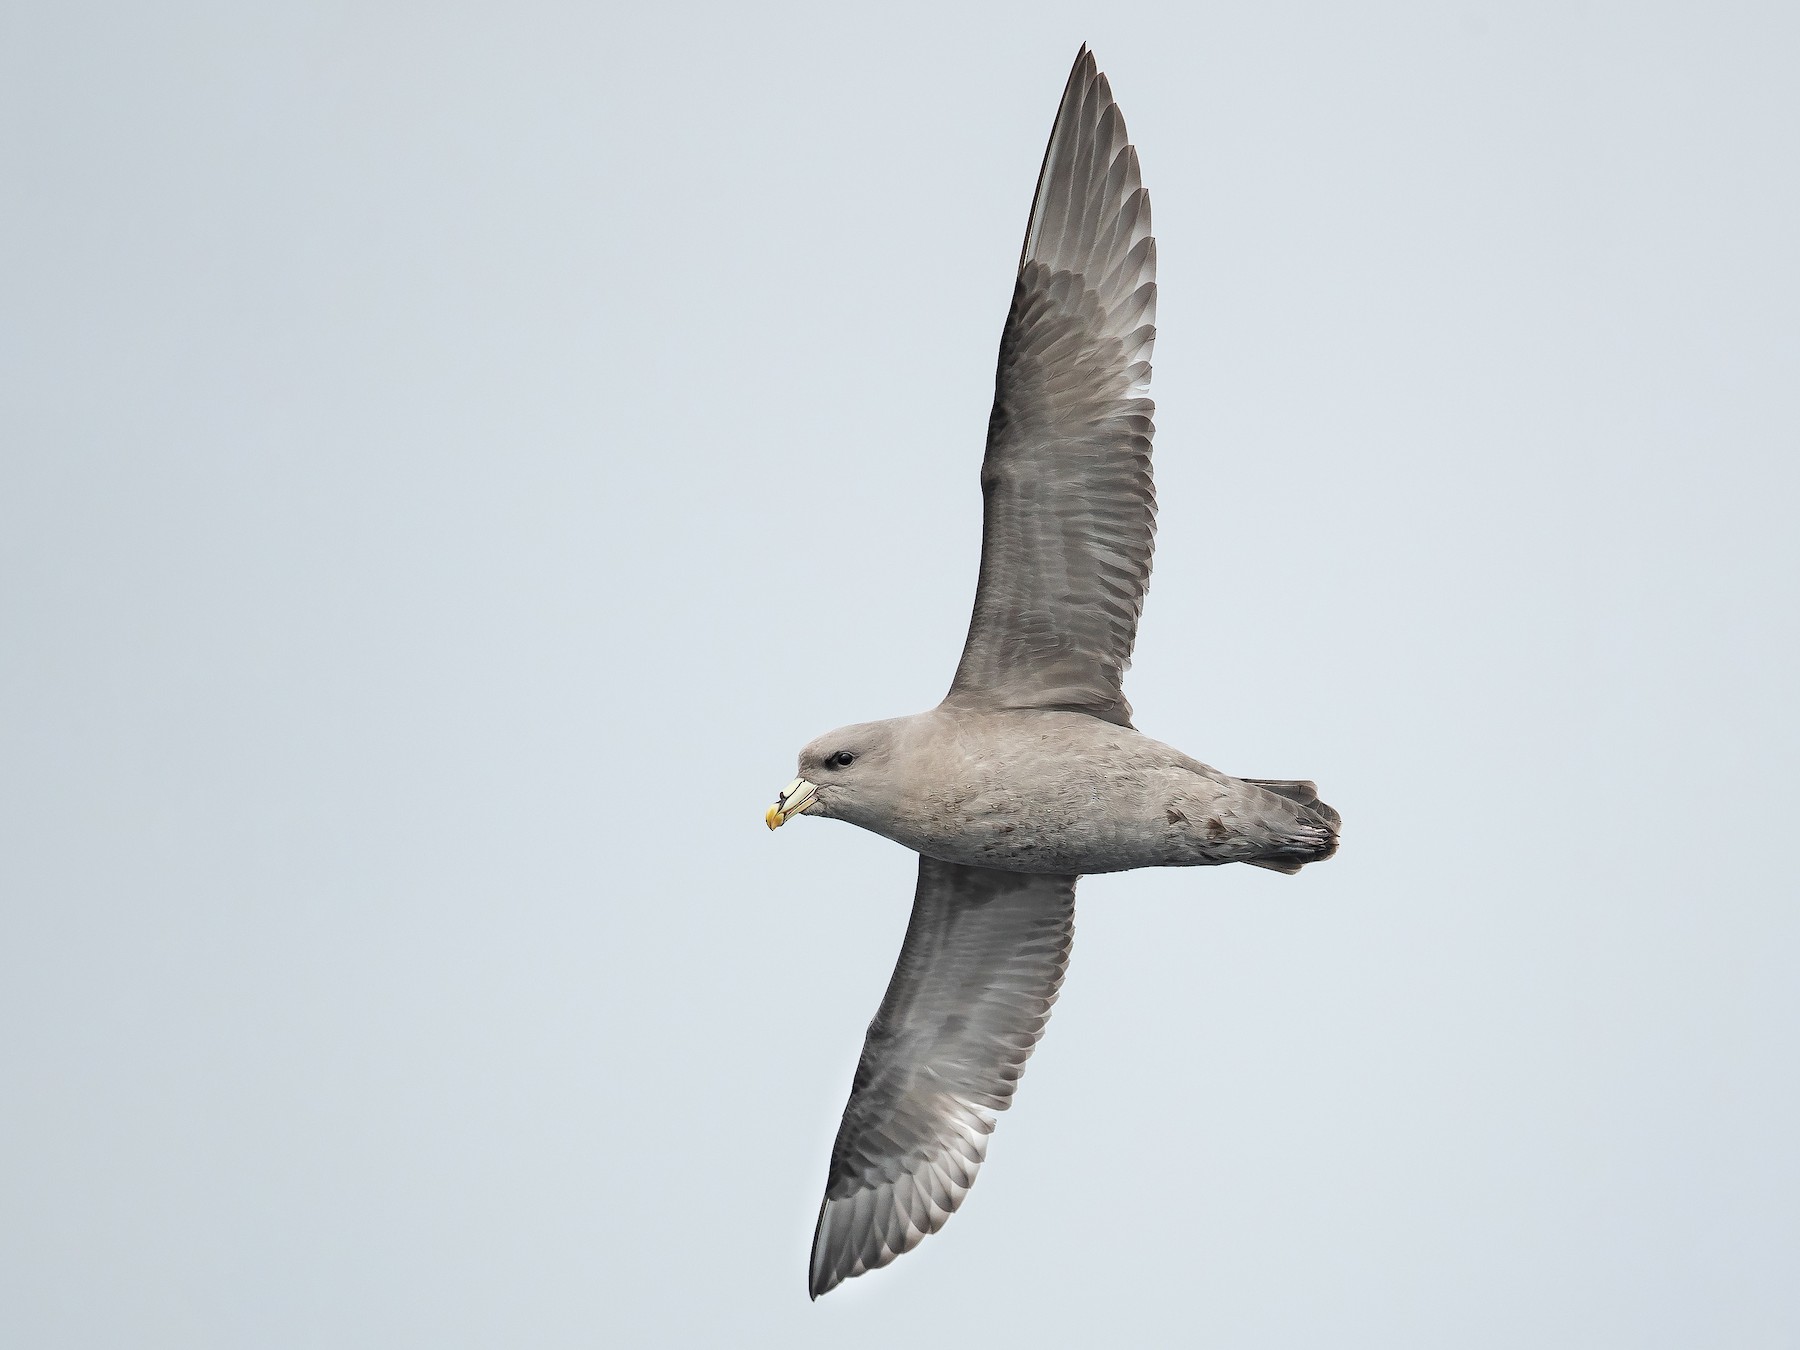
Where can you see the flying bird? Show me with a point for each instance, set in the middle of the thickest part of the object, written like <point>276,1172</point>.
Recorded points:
<point>1029,774</point>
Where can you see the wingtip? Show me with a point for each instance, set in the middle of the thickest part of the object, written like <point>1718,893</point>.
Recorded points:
<point>816,1275</point>
<point>816,1283</point>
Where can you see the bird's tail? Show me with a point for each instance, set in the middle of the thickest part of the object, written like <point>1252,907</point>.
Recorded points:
<point>1314,837</point>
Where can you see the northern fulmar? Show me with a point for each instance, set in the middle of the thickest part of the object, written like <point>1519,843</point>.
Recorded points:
<point>1029,773</point>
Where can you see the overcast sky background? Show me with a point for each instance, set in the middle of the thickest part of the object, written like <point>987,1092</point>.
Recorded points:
<point>453,458</point>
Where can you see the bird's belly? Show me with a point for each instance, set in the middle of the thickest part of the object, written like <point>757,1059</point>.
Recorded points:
<point>1093,827</point>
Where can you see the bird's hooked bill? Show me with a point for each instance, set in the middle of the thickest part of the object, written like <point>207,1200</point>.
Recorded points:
<point>794,798</point>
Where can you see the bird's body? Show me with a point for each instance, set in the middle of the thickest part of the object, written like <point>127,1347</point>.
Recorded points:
<point>1029,773</point>
<point>1052,791</point>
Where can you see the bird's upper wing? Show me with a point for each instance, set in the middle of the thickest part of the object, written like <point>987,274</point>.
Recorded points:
<point>983,959</point>
<point>1070,507</point>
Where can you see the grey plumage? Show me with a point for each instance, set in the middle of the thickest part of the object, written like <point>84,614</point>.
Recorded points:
<point>1029,773</point>
<point>1063,571</point>
<point>980,967</point>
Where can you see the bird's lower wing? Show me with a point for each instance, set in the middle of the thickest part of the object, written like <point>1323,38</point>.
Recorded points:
<point>981,965</point>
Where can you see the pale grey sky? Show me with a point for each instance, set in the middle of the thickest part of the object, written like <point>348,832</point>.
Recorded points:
<point>453,457</point>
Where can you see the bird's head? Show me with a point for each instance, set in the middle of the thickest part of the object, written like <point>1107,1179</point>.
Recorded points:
<point>843,774</point>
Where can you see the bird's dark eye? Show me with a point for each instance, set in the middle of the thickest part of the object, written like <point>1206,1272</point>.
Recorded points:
<point>843,759</point>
